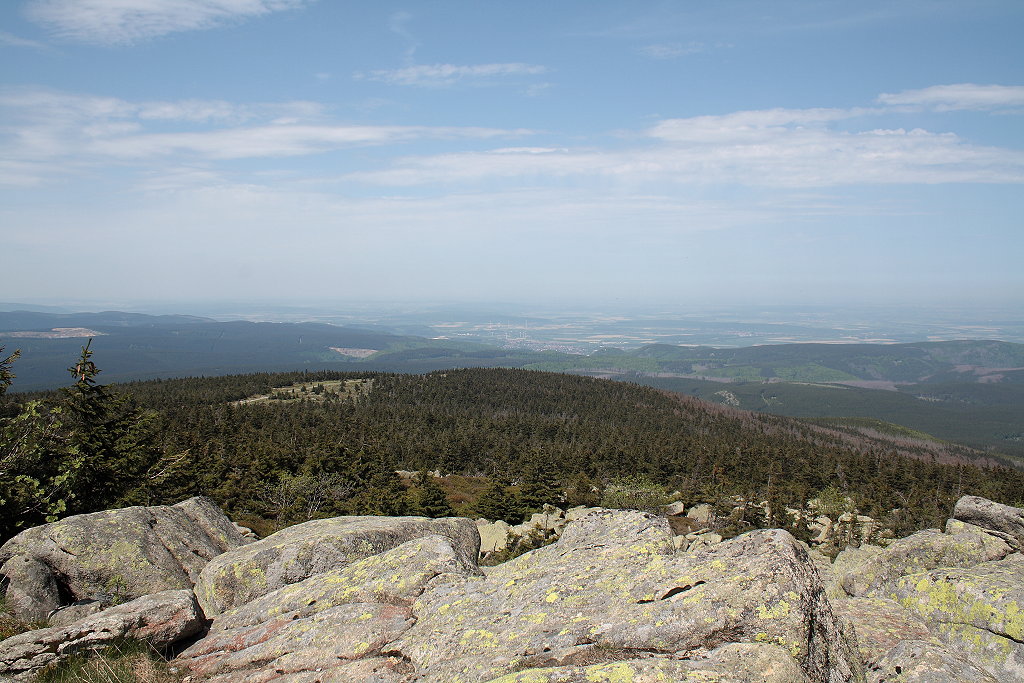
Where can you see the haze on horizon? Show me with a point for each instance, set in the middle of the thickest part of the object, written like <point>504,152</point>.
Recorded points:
<point>783,152</point>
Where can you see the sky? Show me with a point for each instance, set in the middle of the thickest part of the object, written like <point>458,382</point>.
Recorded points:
<point>685,152</point>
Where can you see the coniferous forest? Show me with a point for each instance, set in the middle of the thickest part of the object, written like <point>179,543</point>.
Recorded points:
<point>276,449</point>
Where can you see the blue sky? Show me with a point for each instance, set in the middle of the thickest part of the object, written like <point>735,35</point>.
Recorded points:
<point>738,151</point>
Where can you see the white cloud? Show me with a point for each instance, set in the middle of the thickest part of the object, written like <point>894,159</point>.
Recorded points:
<point>435,75</point>
<point>117,22</point>
<point>958,96</point>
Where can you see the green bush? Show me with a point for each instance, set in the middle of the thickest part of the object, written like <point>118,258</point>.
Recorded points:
<point>635,492</point>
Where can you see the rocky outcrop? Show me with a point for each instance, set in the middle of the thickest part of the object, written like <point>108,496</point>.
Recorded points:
<point>401,600</point>
<point>114,555</point>
<point>161,619</point>
<point>611,596</point>
<point>1003,521</point>
<point>315,547</point>
<point>920,552</point>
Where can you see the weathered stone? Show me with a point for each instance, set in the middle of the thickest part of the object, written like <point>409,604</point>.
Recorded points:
<point>294,629</point>
<point>734,663</point>
<point>161,619</point>
<point>613,582</point>
<point>977,611</point>
<point>917,553</point>
<point>1004,521</point>
<point>915,661</point>
<point>77,611</point>
<point>704,541</point>
<point>494,536</point>
<point>578,512</point>
<point>881,624</point>
<point>298,552</point>
<point>703,514</point>
<point>32,591</point>
<point>676,508</point>
<point>125,553</point>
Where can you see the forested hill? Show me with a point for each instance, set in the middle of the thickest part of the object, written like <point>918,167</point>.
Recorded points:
<point>575,433</point>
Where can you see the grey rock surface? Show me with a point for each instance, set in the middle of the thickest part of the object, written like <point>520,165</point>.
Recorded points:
<point>32,591</point>
<point>915,661</point>
<point>610,598</point>
<point>1005,521</point>
<point>920,552</point>
<point>881,625</point>
<point>614,583</point>
<point>161,619</point>
<point>734,663</point>
<point>294,630</point>
<point>304,550</point>
<point>125,553</point>
<point>976,611</point>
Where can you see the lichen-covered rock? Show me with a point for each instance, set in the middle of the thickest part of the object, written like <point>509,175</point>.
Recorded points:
<point>126,553</point>
<point>977,612</point>
<point>161,619</point>
<point>295,628</point>
<point>298,552</point>
<point>920,552</point>
<point>915,661</point>
<point>734,663</point>
<point>1004,521</point>
<point>881,625</point>
<point>614,583</point>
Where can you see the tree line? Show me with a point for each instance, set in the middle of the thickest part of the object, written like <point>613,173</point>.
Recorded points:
<point>533,437</point>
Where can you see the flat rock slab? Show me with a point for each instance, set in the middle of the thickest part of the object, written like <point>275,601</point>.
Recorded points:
<point>304,550</point>
<point>127,553</point>
<point>161,619</point>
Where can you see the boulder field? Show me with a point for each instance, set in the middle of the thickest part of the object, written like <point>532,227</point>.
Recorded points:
<point>615,599</point>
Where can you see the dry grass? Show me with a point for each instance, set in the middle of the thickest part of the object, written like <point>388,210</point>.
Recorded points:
<point>125,661</point>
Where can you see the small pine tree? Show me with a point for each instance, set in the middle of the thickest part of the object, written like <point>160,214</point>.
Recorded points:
<point>429,499</point>
<point>497,503</point>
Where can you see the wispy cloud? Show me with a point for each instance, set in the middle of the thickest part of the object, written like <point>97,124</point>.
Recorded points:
<point>787,148</point>
<point>438,75</point>
<point>48,132</point>
<point>959,96</point>
<point>11,40</point>
<point>671,50</point>
<point>119,22</point>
